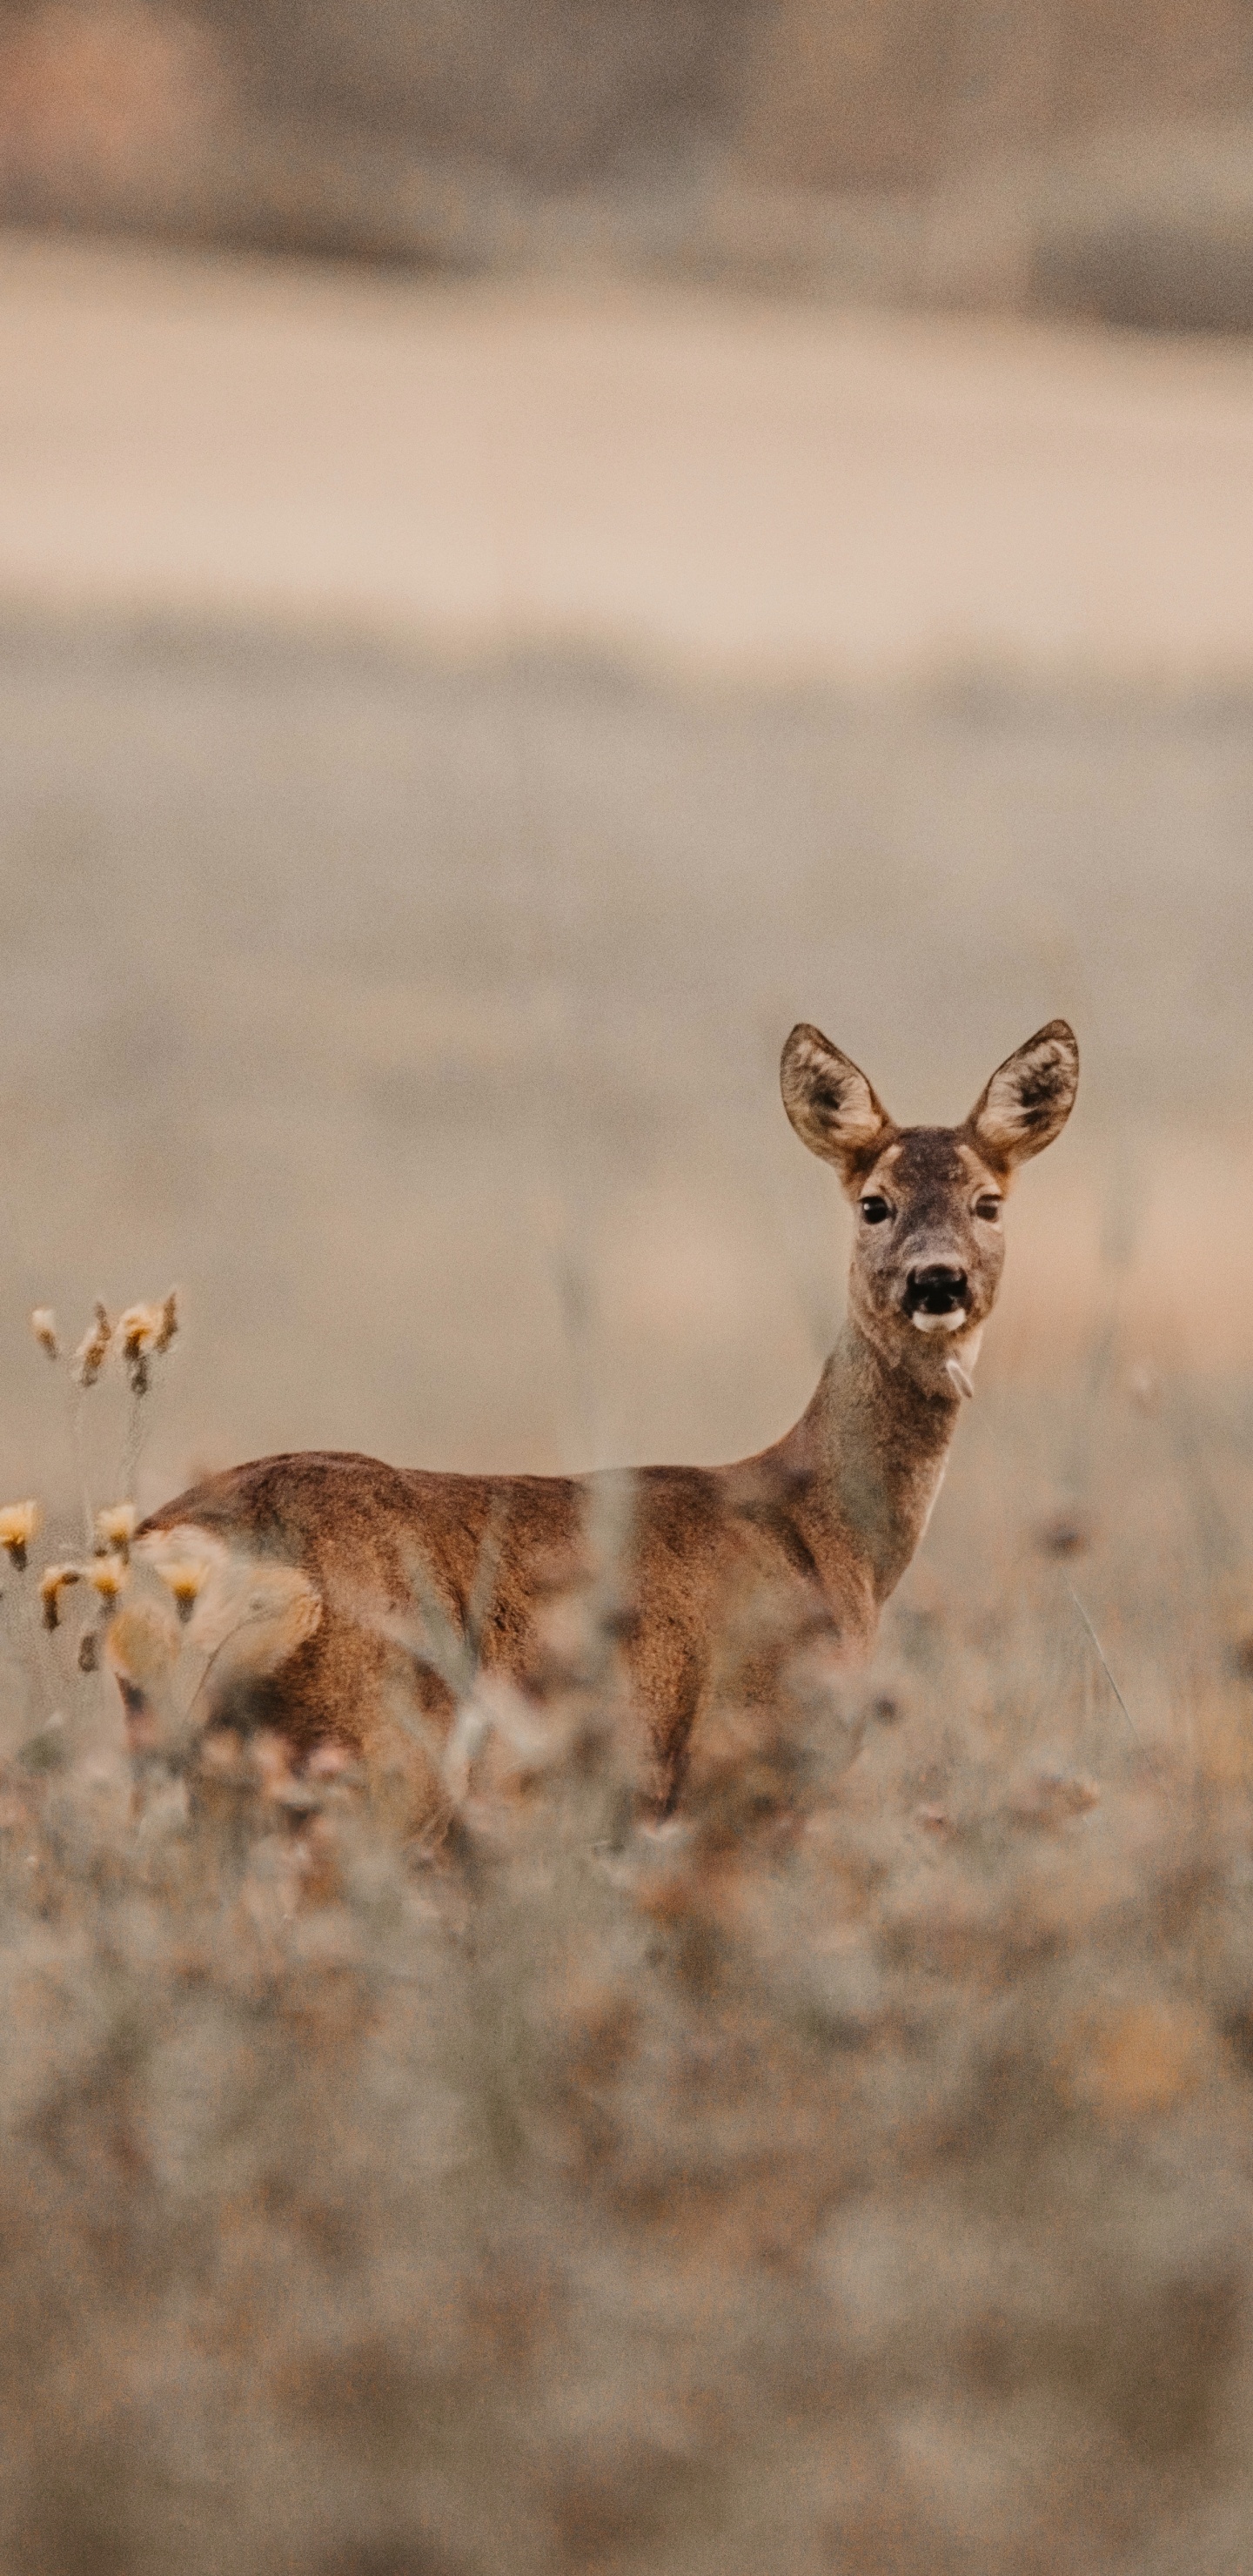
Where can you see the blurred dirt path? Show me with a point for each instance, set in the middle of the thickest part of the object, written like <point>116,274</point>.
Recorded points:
<point>762,490</point>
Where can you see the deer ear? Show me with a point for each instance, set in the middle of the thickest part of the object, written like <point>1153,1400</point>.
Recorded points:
<point>1029,1098</point>
<point>831,1104</point>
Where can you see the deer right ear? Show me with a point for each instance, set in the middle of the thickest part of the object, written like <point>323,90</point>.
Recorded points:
<point>831,1105</point>
<point>1029,1098</point>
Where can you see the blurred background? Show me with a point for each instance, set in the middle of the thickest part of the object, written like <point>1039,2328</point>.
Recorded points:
<point>1069,156</point>
<point>539,546</point>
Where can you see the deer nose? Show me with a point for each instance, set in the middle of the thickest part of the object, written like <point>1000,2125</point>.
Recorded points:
<point>938,1288</point>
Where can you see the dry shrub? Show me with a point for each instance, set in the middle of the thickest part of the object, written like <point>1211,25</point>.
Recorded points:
<point>851,2174</point>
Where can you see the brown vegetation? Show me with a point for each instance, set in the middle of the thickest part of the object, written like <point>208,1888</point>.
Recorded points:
<point>852,2175</point>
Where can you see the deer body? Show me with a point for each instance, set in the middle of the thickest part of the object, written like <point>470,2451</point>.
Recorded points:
<point>822,1524</point>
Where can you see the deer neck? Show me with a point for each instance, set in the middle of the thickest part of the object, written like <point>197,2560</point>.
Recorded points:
<point>870,1452</point>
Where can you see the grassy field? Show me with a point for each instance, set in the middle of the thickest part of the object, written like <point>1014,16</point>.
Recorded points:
<point>424,1024</point>
<point>852,2175</point>
<point>855,2176</point>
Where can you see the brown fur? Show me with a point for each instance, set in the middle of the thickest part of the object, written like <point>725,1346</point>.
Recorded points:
<point>822,1525</point>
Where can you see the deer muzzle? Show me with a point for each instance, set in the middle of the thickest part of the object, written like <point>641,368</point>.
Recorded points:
<point>937,1298</point>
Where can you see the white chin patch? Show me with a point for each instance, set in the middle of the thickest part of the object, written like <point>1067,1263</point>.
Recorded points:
<point>954,1323</point>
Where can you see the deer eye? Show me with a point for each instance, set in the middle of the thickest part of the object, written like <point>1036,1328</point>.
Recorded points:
<point>874,1209</point>
<point>989,1210</point>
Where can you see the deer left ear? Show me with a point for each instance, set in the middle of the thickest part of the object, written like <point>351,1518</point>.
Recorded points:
<point>1029,1098</point>
<point>831,1104</point>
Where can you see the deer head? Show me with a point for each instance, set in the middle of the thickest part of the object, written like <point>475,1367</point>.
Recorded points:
<point>929,1250</point>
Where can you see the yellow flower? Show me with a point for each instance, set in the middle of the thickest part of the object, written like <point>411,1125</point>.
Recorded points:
<point>43,1324</point>
<point>138,1328</point>
<point>115,1527</point>
<point>185,1577</point>
<point>145,1332</point>
<point>18,1524</point>
<point>108,1574</point>
<point>52,1583</point>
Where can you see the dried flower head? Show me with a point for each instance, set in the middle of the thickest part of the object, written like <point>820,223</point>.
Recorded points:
<point>43,1324</point>
<point>115,1528</point>
<point>138,1328</point>
<point>93,1350</point>
<point>169,1322</point>
<point>55,1580</point>
<point>107,1576</point>
<point>145,1332</point>
<point>185,1577</point>
<point>18,1524</point>
<point>142,1642</point>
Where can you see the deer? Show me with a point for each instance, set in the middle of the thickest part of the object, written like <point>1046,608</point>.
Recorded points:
<point>367,1557</point>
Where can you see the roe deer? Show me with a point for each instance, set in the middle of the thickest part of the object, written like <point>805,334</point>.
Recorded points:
<point>828,1518</point>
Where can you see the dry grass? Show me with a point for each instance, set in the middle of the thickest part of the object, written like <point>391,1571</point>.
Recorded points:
<point>853,2176</point>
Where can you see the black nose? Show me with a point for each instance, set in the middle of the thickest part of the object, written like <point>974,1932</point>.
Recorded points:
<point>936,1289</point>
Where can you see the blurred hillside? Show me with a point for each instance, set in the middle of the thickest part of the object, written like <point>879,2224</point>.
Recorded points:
<point>1029,155</point>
